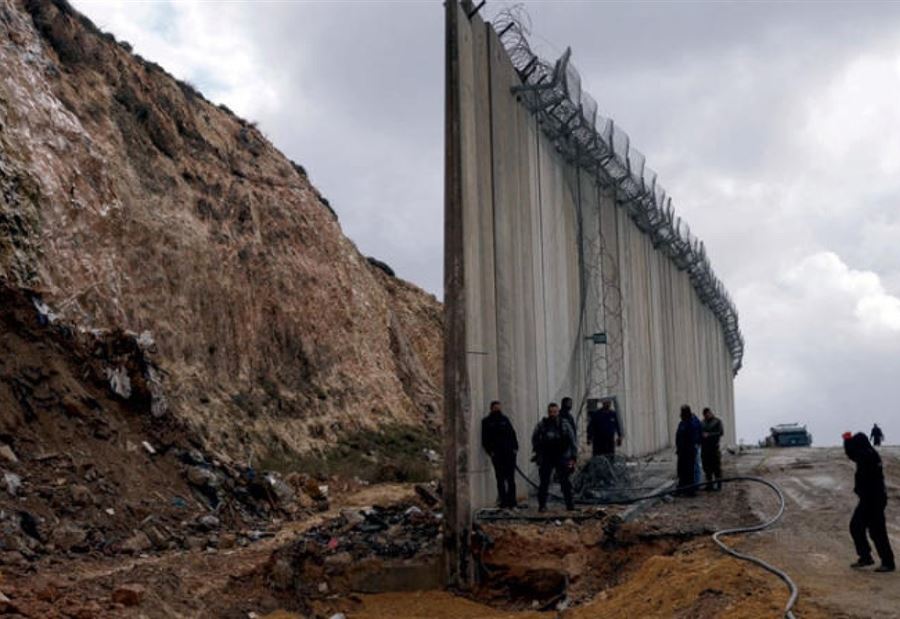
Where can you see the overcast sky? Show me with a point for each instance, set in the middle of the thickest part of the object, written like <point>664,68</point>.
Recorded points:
<point>774,127</point>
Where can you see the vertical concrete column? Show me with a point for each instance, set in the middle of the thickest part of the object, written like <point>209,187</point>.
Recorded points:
<point>457,511</point>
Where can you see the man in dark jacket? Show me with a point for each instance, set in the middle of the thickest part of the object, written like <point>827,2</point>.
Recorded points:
<point>603,431</point>
<point>877,435</point>
<point>869,513</point>
<point>555,449</point>
<point>710,433</point>
<point>498,437</point>
<point>687,437</point>
<point>565,413</point>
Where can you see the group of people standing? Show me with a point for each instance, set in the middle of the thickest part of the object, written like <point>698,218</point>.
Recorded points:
<point>697,443</point>
<point>554,443</point>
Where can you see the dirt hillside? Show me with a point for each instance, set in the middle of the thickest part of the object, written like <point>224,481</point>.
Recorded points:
<point>130,201</point>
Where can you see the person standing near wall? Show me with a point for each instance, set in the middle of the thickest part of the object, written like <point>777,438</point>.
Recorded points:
<point>698,431</point>
<point>877,435</point>
<point>686,438</point>
<point>555,449</point>
<point>711,433</point>
<point>869,513</point>
<point>498,437</point>
<point>604,432</point>
<point>565,413</point>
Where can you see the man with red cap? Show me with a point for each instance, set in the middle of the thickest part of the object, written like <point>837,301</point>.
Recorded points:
<point>869,513</point>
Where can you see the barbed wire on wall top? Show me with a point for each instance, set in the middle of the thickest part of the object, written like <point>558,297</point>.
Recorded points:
<point>569,117</point>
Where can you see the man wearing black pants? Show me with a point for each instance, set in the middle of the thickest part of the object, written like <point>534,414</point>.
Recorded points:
<point>869,513</point>
<point>555,449</point>
<point>498,437</point>
<point>687,437</point>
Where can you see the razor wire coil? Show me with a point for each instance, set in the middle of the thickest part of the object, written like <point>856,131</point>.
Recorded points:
<point>569,117</point>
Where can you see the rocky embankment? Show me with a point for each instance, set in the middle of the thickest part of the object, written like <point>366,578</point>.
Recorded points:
<point>132,203</point>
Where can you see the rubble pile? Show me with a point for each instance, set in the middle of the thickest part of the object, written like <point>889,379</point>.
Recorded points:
<point>93,460</point>
<point>346,550</point>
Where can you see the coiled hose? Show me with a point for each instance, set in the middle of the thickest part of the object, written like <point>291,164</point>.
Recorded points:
<point>792,586</point>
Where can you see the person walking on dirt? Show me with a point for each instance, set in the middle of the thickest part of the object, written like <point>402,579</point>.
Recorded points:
<point>877,435</point>
<point>869,513</point>
<point>565,413</point>
<point>710,433</point>
<point>687,436</point>
<point>603,431</point>
<point>498,437</point>
<point>555,449</point>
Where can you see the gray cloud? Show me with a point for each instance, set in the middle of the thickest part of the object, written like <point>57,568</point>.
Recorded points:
<point>774,126</point>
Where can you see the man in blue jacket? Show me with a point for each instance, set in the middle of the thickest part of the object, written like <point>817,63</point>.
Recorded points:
<point>687,437</point>
<point>604,432</point>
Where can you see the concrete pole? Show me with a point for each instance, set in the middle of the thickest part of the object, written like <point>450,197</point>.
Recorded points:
<point>457,511</point>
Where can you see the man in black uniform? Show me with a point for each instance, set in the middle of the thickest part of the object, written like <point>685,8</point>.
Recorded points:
<point>869,513</point>
<point>565,413</point>
<point>498,437</point>
<point>603,431</point>
<point>555,449</point>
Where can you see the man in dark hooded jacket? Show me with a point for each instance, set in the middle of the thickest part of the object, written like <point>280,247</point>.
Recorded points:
<point>869,513</point>
<point>498,437</point>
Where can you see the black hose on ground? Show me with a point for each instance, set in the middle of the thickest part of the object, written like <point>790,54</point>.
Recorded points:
<point>792,586</point>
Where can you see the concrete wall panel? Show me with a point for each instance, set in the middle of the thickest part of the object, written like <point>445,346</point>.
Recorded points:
<point>549,259</point>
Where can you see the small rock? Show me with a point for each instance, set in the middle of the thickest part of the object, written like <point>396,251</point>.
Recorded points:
<point>81,495</point>
<point>129,595</point>
<point>110,511</point>
<point>208,522</point>
<point>281,575</point>
<point>338,616</point>
<point>353,516</point>
<point>323,587</point>
<point>156,536</point>
<point>227,540</point>
<point>148,447</point>
<point>139,542</point>
<point>201,477</point>
<point>68,536</point>
<point>12,482</point>
<point>8,454</point>
<point>281,490</point>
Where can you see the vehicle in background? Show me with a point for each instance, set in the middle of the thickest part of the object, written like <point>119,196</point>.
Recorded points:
<point>788,435</point>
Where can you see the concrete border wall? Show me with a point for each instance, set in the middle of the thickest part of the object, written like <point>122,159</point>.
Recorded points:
<point>539,257</point>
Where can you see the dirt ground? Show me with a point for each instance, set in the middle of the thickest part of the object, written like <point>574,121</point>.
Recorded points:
<point>813,543</point>
<point>662,564</point>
